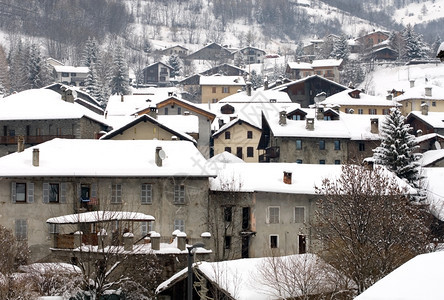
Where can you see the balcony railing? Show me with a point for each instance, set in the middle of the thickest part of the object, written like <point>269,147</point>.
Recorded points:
<point>33,139</point>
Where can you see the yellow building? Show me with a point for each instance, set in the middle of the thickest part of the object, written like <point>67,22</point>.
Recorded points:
<point>415,97</point>
<point>356,102</point>
<point>217,87</point>
<point>239,138</point>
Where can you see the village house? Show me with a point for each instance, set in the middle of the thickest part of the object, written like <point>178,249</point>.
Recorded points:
<point>157,74</point>
<point>250,55</point>
<point>175,50</point>
<point>417,96</point>
<point>212,52</point>
<point>369,40</point>
<point>217,87</point>
<point>165,179</point>
<point>424,122</point>
<point>35,116</point>
<point>70,75</point>
<point>328,68</point>
<point>318,136</point>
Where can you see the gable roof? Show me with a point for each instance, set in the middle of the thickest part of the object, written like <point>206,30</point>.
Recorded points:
<point>71,69</point>
<point>312,77</point>
<point>106,158</point>
<point>188,105</point>
<point>146,118</point>
<point>222,80</point>
<point>158,63</point>
<point>323,63</point>
<point>239,121</point>
<point>418,92</point>
<point>344,98</point>
<point>433,119</point>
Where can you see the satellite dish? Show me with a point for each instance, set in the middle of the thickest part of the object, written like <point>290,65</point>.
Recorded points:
<point>162,154</point>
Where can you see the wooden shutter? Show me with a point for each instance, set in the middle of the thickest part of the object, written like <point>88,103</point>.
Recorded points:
<point>13,192</point>
<point>63,187</point>
<point>45,192</point>
<point>30,193</point>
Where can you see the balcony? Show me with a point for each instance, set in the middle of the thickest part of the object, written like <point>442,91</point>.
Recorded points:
<point>33,139</point>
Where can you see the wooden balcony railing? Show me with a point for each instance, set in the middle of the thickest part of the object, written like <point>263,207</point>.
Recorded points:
<point>32,139</point>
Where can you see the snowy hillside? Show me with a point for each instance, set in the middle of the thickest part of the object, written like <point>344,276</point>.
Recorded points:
<point>416,13</point>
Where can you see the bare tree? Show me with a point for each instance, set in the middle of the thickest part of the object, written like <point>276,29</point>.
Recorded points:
<point>367,225</point>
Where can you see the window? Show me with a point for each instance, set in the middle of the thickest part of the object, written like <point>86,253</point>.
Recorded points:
<point>360,111</point>
<point>38,131</point>
<point>250,151</point>
<point>53,228</point>
<point>21,230</point>
<point>116,193</point>
<point>433,103</point>
<point>337,145</point>
<point>273,215</point>
<point>179,110</point>
<point>299,214</point>
<point>386,111</point>
<point>322,162</point>
<point>59,131</point>
<point>213,89</point>
<point>214,100</point>
<point>54,190</point>
<point>227,242</point>
<point>146,194</point>
<point>361,147</point>
<point>337,162</point>
<point>225,89</point>
<point>227,135</point>
<point>166,110</point>
<point>239,152</point>
<point>249,134</point>
<point>20,192</point>
<point>65,74</point>
<point>228,149</point>
<point>179,225</point>
<point>298,144</point>
<point>299,161</point>
<point>274,241</point>
<point>179,194</point>
<point>73,74</point>
<point>228,214</point>
<point>372,111</point>
<point>146,227</point>
<point>321,145</point>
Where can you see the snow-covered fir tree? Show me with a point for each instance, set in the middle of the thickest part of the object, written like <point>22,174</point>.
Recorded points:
<point>397,149</point>
<point>175,62</point>
<point>413,44</point>
<point>255,79</point>
<point>17,69</point>
<point>340,48</point>
<point>435,46</point>
<point>239,61</point>
<point>92,84</point>
<point>90,52</point>
<point>5,83</point>
<point>353,72</point>
<point>120,78</point>
<point>37,70</point>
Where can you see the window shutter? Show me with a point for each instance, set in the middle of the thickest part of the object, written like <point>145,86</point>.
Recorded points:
<point>13,194</point>
<point>45,192</point>
<point>63,187</point>
<point>30,192</point>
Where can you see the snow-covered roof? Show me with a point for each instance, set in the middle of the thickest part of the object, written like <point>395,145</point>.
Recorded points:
<point>418,92</point>
<point>232,123</point>
<point>300,66</point>
<point>320,63</point>
<point>225,157</point>
<point>286,85</point>
<point>434,119</point>
<point>100,216</point>
<point>431,156</point>
<point>258,96</point>
<point>425,137</point>
<point>435,190</point>
<point>222,80</point>
<point>107,158</point>
<point>181,123</point>
<point>419,278</point>
<point>50,267</point>
<point>441,48</point>
<point>71,69</point>
<point>42,104</point>
<point>242,279</point>
<point>344,98</point>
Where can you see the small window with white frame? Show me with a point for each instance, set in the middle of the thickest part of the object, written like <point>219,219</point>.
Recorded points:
<point>273,215</point>
<point>146,193</point>
<point>299,214</point>
<point>116,194</point>
<point>179,194</point>
<point>179,225</point>
<point>146,227</point>
<point>53,228</point>
<point>21,229</point>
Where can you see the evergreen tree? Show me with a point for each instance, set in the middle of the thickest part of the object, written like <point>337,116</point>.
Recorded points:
<point>175,62</point>
<point>340,48</point>
<point>435,46</point>
<point>90,52</point>
<point>18,73</point>
<point>92,83</point>
<point>397,148</point>
<point>5,83</point>
<point>119,80</point>
<point>414,46</point>
<point>239,61</point>
<point>256,79</point>
<point>352,73</point>
<point>38,74</point>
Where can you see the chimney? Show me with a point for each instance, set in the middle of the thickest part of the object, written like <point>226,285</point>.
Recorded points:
<point>287,177</point>
<point>309,124</point>
<point>69,96</point>
<point>206,236</point>
<point>266,84</point>
<point>121,98</point>
<point>174,138</point>
<point>155,240</point>
<point>35,157</point>
<point>319,113</point>
<point>186,113</point>
<point>158,157</point>
<point>181,240</point>
<point>20,143</point>
<point>389,97</point>
<point>283,118</point>
<point>412,83</point>
<point>78,239</point>
<point>248,88</point>
<point>153,112</point>
<point>128,241</point>
<point>374,125</point>
<point>424,109</point>
<point>428,92</point>
<point>102,238</point>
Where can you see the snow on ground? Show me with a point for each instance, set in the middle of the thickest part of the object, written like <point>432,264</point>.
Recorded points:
<point>386,77</point>
<point>414,13</point>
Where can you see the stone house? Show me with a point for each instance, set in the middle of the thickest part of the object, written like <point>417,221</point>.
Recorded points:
<point>158,74</point>
<point>165,179</point>
<point>38,115</point>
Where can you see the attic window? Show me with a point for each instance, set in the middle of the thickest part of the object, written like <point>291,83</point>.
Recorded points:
<point>272,100</point>
<point>355,94</point>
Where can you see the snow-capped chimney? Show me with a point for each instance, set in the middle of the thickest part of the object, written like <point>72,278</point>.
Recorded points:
<point>266,84</point>
<point>248,88</point>
<point>181,240</point>
<point>424,109</point>
<point>121,98</point>
<point>374,125</point>
<point>319,113</point>
<point>158,158</point>
<point>35,157</point>
<point>287,177</point>
<point>428,91</point>
<point>20,143</point>
<point>128,241</point>
<point>309,124</point>
<point>412,83</point>
<point>153,112</point>
<point>155,241</point>
<point>282,118</point>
